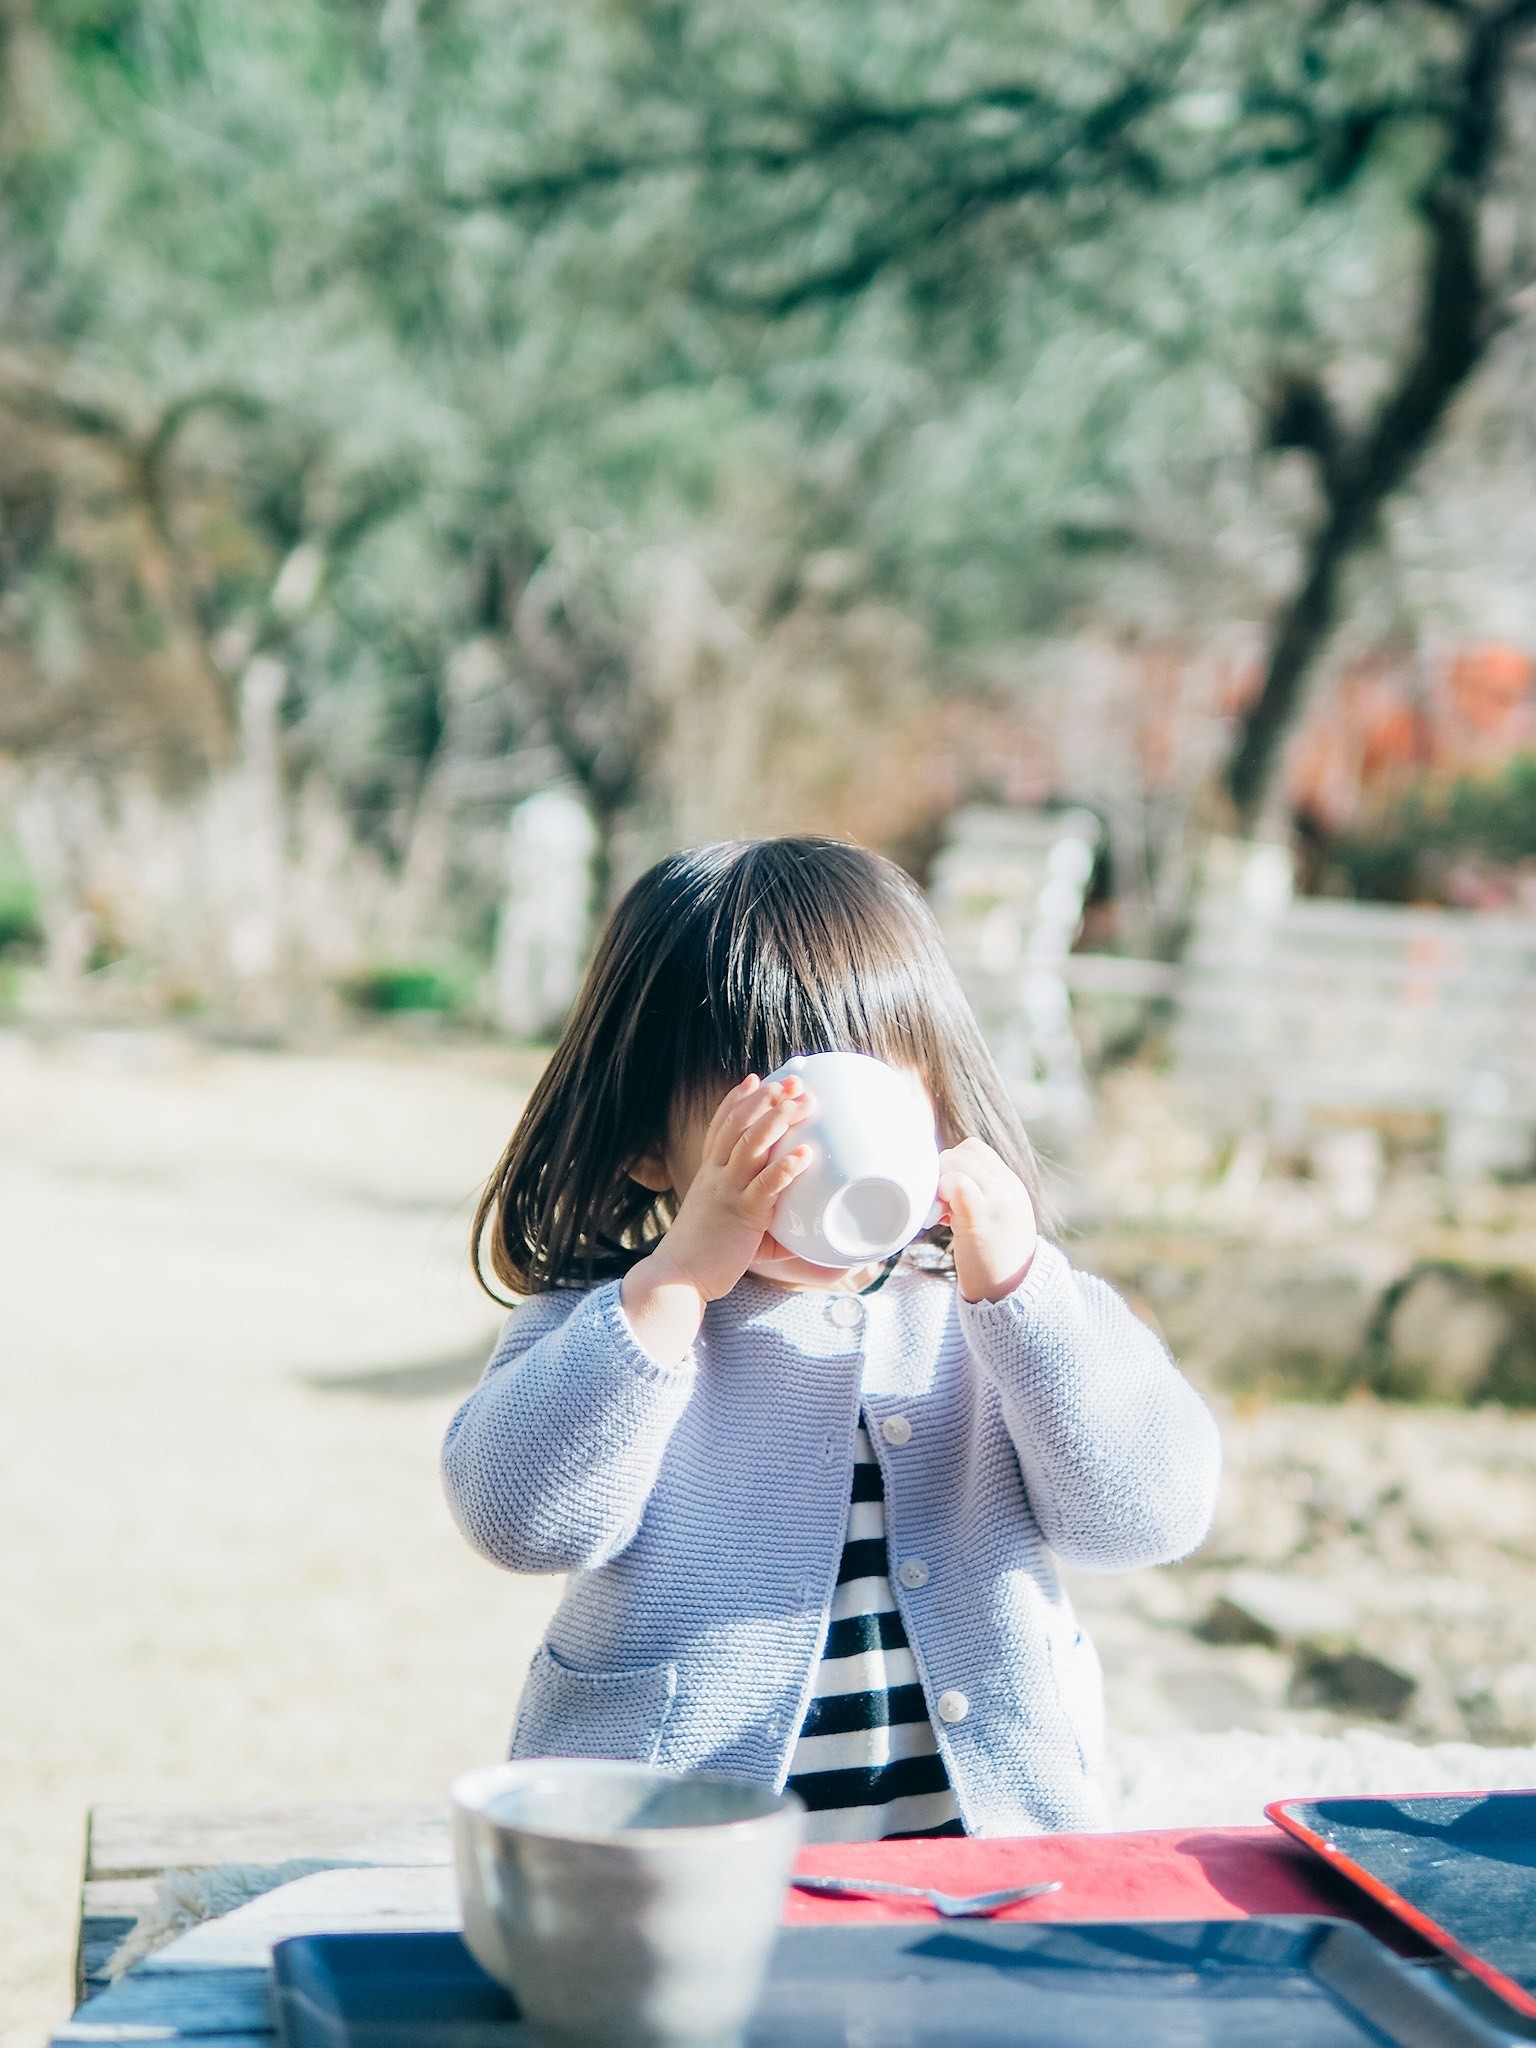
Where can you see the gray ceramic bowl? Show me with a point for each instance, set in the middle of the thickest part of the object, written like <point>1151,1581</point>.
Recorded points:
<point>623,1907</point>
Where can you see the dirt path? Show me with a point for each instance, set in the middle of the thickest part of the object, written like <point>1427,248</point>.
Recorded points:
<point>218,1579</point>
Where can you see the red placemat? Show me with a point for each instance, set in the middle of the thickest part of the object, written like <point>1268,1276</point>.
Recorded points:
<point>1161,1874</point>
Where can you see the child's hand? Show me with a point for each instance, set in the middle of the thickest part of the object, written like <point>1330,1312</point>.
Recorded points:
<point>724,1215</point>
<point>991,1218</point>
<point>730,1201</point>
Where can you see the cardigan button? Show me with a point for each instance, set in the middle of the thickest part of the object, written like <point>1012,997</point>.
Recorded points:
<point>953,1706</point>
<point>896,1430</point>
<point>845,1311</point>
<point>913,1573</point>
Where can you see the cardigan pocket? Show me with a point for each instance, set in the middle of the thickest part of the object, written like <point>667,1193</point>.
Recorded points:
<point>565,1711</point>
<point>1080,1688</point>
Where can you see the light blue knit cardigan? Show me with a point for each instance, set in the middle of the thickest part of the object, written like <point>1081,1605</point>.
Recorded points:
<point>701,1510</point>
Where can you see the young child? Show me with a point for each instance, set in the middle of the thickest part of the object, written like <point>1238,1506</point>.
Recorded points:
<point>809,1515</point>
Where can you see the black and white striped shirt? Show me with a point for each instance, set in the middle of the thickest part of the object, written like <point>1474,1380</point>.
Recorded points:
<point>867,1763</point>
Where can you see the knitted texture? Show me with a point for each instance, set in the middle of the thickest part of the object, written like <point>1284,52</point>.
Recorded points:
<point>701,1510</point>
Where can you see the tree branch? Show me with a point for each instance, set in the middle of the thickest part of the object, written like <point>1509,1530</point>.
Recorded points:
<point>812,135</point>
<point>1095,154</point>
<point>36,399</point>
<point>1458,316</point>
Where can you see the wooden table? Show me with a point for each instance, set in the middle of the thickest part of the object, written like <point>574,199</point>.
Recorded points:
<point>128,1847</point>
<point>214,1986</point>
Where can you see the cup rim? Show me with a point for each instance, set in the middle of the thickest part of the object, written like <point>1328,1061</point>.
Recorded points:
<point>468,1799</point>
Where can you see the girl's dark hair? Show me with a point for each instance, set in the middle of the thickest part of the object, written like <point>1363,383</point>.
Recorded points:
<point>719,962</point>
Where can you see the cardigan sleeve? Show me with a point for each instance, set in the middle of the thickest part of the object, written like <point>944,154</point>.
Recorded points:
<point>549,1464</point>
<point>1120,1456</point>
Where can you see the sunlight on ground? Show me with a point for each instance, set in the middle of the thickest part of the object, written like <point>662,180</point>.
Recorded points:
<point>225,1582</point>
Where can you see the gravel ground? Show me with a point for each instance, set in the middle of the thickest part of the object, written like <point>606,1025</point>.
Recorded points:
<point>238,1316</point>
<point>1405,1535</point>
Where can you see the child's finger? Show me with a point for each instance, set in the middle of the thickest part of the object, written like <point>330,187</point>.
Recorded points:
<point>973,1158</point>
<point>727,1107</point>
<point>757,1141</point>
<point>960,1194</point>
<point>764,1132</point>
<point>777,1175</point>
<point>740,1109</point>
<point>754,1117</point>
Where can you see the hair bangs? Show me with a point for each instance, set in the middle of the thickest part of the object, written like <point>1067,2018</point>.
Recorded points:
<point>792,968</point>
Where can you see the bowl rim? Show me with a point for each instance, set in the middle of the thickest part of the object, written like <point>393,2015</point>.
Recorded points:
<point>471,1792</point>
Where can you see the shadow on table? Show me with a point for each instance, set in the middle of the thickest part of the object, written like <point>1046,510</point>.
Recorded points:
<point>1290,1879</point>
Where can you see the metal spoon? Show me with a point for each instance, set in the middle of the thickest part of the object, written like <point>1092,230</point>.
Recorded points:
<point>976,1906</point>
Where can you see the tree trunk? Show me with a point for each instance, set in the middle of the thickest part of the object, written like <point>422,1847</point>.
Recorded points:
<point>1459,314</point>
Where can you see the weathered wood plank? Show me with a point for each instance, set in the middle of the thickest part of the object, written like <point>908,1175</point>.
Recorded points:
<point>1303,977</point>
<point>1300,954</point>
<point>87,2033</point>
<point>105,1896</point>
<point>98,1941</point>
<point>393,1898</point>
<point>1242,1026</point>
<point>142,1841</point>
<point>1354,923</point>
<point>1315,1005</point>
<point>108,1910</point>
<point>1297,1040</point>
<point>1254,1018</point>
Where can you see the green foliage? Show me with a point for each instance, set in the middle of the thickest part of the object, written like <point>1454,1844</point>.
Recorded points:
<point>21,930</point>
<point>396,989</point>
<point>992,299</point>
<point>1383,869</point>
<point>1496,817</point>
<point>1403,854</point>
<point>1020,295</point>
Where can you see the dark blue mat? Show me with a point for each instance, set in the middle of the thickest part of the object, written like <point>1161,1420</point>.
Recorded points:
<point>1265,1983</point>
<point>1461,1867</point>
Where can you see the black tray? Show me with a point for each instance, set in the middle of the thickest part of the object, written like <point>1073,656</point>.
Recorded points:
<point>1262,1983</point>
<point>1458,1867</point>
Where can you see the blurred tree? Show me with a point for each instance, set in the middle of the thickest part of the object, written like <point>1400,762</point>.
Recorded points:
<point>413,460</point>
<point>404,343</point>
<point>1091,228</point>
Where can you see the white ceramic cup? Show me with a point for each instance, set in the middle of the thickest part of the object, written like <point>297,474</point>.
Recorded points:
<point>871,1183</point>
<point>623,1906</point>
